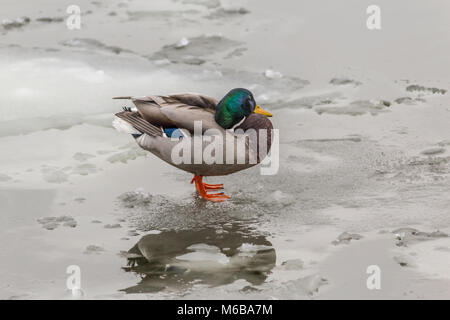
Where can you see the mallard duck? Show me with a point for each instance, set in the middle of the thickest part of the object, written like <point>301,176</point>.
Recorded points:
<point>159,123</point>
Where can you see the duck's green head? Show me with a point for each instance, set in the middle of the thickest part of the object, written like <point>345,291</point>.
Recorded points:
<point>235,106</point>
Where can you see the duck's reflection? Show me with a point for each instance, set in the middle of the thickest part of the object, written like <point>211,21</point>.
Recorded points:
<point>212,256</point>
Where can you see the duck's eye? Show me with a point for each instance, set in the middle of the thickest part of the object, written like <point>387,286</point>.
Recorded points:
<point>249,105</point>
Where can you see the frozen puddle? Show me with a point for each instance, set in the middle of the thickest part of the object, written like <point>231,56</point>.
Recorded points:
<point>180,259</point>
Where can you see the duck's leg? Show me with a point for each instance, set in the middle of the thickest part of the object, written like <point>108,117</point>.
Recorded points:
<point>209,186</point>
<point>202,190</point>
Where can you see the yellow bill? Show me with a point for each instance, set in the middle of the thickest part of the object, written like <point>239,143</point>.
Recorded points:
<point>261,111</point>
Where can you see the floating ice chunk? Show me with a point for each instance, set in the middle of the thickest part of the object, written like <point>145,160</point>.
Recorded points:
<point>183,42</point>
<point>204,252</point>
<point>250,250</point>
<point>154,232</point>
<point>271,74</point>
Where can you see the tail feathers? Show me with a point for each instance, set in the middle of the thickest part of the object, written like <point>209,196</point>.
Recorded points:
<point>124,127</point>
<point>138,123</point>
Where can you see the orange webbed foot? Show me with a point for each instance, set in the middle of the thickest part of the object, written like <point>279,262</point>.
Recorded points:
<point>202,189</point>
<point>213,186</point>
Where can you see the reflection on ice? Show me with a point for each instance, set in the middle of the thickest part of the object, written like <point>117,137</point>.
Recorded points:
<point>174,260</point>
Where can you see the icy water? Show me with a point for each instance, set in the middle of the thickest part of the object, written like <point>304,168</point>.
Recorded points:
<point>364,175</point>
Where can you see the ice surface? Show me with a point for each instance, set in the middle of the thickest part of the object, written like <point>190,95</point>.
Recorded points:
<point>293,264</point>
<point>416,87</point>
<point>93,249</point>
<point>207,3</point>
<point>15,23</point>
<point>51,223</point>
<point>355,108</point>
<point>346,237</point>
<point>352,154</point>
<point>227,13</point>
<point>137,198</point>
<point>344,81</point>
<point>4,177</point>
<point>81,156</point>
<point>271,74</point>
<point>433,151</point>
<point>112,226</point>
<point>186,50</point>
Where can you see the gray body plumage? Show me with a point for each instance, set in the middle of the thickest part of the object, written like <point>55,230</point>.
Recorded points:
<point>181,111</point>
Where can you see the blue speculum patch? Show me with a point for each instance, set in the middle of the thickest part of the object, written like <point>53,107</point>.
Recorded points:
<point>173,133</point>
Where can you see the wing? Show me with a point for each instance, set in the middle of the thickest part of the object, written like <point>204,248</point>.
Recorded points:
<point>179,110</point>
